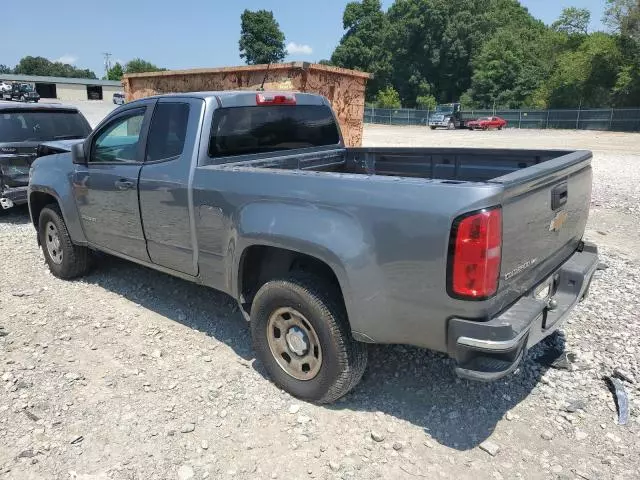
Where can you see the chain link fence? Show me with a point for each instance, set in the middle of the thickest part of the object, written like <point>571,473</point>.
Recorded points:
<point>615,119</point>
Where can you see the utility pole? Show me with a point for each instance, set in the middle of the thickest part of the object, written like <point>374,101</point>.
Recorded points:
<point>107,64</point>
<point>578,117</point>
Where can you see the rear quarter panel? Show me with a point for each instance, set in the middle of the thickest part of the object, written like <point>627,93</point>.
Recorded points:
<point>386,239</point>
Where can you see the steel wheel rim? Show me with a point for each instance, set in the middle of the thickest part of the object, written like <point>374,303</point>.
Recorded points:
<point>294,344</point>
<point>52,242</point>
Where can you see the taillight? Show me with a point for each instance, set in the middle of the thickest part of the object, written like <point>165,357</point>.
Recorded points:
<point>276,98</point>
<point>475,255</point>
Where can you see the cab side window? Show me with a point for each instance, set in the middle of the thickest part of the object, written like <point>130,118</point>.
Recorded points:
<point>118,142</point>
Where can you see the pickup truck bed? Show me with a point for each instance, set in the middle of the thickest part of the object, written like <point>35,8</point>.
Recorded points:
<point>446,183</point>
<point>461,164</point>
<point>476,253</point>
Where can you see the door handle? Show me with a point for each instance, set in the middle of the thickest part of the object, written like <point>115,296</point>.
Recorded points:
<point>559,195</point>
<point>123,184</point>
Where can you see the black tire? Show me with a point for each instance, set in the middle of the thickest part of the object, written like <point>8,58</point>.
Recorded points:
<point>343,359</point>
<point>76,260</point>
<point>451,126</point>
<point>433,128</point>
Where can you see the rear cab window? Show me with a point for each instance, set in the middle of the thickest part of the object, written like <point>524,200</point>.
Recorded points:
<point>275,128</point>
<point>26,126</point>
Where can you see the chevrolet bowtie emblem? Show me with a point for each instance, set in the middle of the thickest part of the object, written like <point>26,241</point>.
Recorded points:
<point>558,221</point>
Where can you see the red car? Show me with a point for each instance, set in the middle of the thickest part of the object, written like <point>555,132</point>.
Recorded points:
<point>486,123</point>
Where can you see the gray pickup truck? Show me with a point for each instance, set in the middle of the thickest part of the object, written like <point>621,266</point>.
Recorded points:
<point>476,253</point>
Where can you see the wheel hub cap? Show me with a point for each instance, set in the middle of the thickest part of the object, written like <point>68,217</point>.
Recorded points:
<point>52,242</point>
<point>294,343</point>
<point>297,341</point>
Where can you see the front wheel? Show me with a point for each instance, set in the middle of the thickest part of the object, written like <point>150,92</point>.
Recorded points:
<point>433,128</point>
<point>301,335</point>
<point>451,126</point>
<point>65,260</point>
<point>22,98</point>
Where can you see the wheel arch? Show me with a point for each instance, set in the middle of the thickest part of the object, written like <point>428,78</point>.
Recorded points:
<point>260,262</point>
<point>37,201</point>
<point>40,196</point>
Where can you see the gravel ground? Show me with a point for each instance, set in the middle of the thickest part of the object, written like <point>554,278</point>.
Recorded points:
<point>132,374</point>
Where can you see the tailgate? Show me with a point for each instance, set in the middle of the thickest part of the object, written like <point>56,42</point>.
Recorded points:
<point>545,210</point>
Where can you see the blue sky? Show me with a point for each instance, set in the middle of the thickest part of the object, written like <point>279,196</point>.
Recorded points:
<point>184,33</point>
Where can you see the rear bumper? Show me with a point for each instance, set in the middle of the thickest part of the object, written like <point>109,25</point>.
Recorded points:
<point>13,196</point>
<point>490,350</point>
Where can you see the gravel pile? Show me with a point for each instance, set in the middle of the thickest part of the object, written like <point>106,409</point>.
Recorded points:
<point>132,374</point>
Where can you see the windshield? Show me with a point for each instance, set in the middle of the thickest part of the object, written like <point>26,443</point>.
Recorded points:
<point>245,130</point>
<point>28,126</point>
<point>25,87</point>
<point>444,109</point>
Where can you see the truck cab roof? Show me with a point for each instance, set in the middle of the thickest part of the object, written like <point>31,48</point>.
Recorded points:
<point>243,98</point>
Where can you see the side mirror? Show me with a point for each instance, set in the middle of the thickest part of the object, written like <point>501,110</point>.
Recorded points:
<point>78,154</point>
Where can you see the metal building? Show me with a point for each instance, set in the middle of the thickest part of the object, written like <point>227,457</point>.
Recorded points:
<point>68,89</point>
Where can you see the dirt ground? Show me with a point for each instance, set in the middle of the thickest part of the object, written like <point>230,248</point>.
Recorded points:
<point>132,374</point>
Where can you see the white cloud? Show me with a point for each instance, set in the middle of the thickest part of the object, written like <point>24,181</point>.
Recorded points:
<point>67,58</point>
<point>299,49</point>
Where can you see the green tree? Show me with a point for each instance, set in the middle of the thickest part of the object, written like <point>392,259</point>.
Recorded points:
<point>623,17</point>
<point>362,46</point>
<point>573,21</point>
<point>426,102</point>
<point>586,76</point>
<point>43,67</point>
<point>388,97</point>
<point>5,69</point>
<point>510,68</point>
<point>138,65</point>
<point>116,72</point>
<point>325,62</point>
<point>261,40</point>
<point>486,51</point>
<point>436,41</point>
<point>34,66</point>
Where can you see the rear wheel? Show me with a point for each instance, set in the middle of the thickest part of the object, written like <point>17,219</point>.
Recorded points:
<point>301,335</point>
<point>65,260</point>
